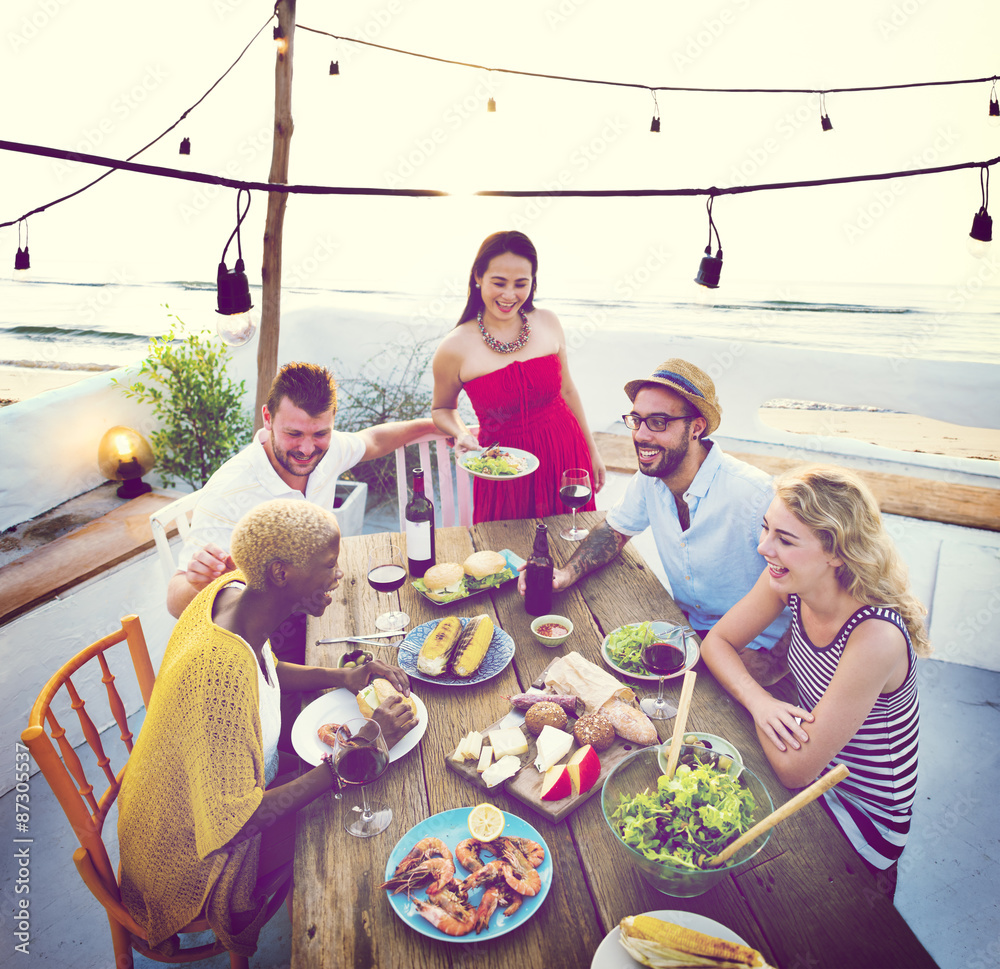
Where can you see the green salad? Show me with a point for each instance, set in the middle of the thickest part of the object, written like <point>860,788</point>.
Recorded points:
<point>496,463</point>
<point>625,646</point>
<point>689,818</point>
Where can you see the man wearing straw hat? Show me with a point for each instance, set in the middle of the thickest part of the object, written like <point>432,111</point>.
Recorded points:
<point>705,507</point>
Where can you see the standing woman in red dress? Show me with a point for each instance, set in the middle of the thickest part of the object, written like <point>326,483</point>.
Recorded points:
<point>510,358</point>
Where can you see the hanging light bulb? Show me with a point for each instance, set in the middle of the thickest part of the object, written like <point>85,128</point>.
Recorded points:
<point>22,261</point>
<point>994,115</point>
<point>710,268</point>
<point>281,40</point>
<point>982,224</point>
<point>334,67</point>
<point>185,148</point>
<point>655,123</point>
<point>491,106</point>
<point>239,319</point>
<point>824,119</point>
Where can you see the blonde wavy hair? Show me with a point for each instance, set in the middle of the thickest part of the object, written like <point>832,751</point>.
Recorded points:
<point>840,508</point>
<point>283,529</point>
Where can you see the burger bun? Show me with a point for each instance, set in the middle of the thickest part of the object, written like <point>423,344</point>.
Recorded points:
<point>443,580</point>
<point>481,564</point>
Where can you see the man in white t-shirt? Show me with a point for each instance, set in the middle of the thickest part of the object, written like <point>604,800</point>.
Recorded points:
<point>297,454</point>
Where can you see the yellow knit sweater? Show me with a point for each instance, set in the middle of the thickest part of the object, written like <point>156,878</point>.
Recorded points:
<point>194,778</point>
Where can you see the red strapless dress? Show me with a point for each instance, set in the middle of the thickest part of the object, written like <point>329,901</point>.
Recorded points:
<point>521,405</point>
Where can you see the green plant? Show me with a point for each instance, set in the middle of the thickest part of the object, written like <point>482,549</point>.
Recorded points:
<point>390,386</point>
<point>199,408</point>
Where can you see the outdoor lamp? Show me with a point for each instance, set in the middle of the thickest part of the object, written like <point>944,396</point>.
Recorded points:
<point>654,125</point>
<point>239,320</point>
<point>994,115</point>
<point>22,261</point>
<point>125,455</point>
<point>334,67</point>
<point>185,148</point>
<point>491,105</point>
<point>711,266</point>
<point>982,224</point>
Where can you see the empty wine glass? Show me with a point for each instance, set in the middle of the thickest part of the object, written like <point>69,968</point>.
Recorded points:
<point>575,492</point>
<point>386,573</point>
<point>360,756</point>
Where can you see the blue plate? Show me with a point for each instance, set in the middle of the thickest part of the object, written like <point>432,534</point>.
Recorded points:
<point>452,827</point>
<point>514,562</point>
<point>497,658</point>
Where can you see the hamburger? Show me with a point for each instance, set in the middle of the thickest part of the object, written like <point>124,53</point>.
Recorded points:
<point>379,690</point>
<point>486,570</point>
<point>444,581</point>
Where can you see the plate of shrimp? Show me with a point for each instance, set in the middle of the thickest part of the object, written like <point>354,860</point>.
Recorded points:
<point>448,886</point>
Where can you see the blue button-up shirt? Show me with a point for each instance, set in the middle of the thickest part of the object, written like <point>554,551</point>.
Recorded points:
<point>715,562</point>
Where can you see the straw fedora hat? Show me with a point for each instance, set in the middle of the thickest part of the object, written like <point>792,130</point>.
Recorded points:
<point>684,378</point>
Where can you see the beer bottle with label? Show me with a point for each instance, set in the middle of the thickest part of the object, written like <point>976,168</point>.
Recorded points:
<point>538,575</point>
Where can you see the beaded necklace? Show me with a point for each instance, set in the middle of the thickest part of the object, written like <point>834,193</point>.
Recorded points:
<point>498,345</point>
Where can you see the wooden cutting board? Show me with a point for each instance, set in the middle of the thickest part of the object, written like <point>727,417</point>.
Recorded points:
<point>526,784</point>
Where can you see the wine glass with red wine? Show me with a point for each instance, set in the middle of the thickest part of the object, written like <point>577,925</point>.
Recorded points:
<point>360,756</point>
<point>664,659</point>
<point>386,573</point>
<point>575,492</point>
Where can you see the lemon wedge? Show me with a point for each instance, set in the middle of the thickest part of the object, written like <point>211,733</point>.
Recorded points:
<point>486,822</point>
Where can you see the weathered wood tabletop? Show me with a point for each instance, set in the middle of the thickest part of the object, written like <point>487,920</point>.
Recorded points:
<point>807,901</point>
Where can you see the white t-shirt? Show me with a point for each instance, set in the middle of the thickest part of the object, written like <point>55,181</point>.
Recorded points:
<point>270,710</point>
<point>247,479</point>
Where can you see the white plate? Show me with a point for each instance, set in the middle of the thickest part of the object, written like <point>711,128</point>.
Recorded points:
<point>661,628</point>
<point>452,827</point>
<point>336,707</point>
<point>611,954</point>
<point>497,658</point>
<point>528,460</point>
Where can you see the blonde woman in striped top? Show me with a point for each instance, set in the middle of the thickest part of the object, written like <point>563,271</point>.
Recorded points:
<point>857,630</point>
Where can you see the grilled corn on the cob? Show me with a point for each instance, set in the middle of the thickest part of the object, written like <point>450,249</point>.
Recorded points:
<point>470,650</point>
<point>660,944</point>
<point>439,646</point>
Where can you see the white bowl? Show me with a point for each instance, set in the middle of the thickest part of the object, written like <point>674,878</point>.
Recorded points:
<point>552,641</point>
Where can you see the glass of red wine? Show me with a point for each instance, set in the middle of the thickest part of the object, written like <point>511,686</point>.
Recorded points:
<point>386,573</point>
<point>575,492</point>
<point>664,659</point>
<point>360,756</point>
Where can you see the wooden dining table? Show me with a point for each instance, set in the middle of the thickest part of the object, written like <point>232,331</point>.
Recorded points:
<point>805,901</point>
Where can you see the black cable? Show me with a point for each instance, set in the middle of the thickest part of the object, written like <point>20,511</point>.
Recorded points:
<point>647,87</point>
<point>42,208</point>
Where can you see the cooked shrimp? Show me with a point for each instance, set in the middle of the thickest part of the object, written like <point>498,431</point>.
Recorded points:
<point>494,895</point>
<point>468,854</point>
<point>518,871</point>
<point>532,850</point>
<point>448,913</point>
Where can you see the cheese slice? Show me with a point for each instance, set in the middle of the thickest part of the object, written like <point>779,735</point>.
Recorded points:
<point>473,745</point>
<point>485,759</point>
<point>553,744</point>
<point>508,740</point>
<point>497,773</point>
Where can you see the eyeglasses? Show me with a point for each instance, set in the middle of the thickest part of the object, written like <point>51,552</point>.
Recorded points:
<point>655,422</point>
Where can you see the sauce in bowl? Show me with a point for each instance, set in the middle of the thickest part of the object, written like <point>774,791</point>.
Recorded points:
<point>552,630</point>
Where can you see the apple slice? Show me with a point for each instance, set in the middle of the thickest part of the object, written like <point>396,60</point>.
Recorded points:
<point>556,783</point>
<point>584,767</point>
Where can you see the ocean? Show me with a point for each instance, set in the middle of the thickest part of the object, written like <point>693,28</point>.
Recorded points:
<point>97,326</point>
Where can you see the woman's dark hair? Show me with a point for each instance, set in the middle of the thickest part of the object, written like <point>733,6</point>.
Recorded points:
<point>496,245</point>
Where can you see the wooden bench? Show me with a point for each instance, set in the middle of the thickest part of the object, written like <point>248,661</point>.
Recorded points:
<point>897,494</point>
<point>93,548</point>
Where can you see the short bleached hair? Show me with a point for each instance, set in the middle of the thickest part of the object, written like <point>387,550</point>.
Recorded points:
<point>285,530</point>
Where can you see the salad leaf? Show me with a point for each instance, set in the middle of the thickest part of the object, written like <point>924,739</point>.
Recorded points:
<point>625,646</point>
<point>688,818</point>
<point>494,464</point>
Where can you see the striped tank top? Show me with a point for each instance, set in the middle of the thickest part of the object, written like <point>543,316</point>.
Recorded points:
<point>874,804</point>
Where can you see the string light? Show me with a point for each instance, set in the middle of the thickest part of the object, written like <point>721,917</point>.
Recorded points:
<point>655,124</point>
<point>185,148</point>
<point>491,105</point>
<point>994,115</point>
<point>281,40</point>
<point>334,67</point>
<point>982,224</point>
<point>824,120</point>
<point>238,324</point>
<point>22,261</point>
<point>711,266</point>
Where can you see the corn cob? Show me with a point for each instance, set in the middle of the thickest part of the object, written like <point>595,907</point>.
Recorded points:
<point>660,944</point>
<point>439,646</point>
<point>470,650</point>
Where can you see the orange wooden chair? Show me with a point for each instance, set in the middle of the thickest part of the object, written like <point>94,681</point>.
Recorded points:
<point>65,774</point>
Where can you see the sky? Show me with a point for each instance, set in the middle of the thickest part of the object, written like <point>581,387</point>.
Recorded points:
<point>107,76</point>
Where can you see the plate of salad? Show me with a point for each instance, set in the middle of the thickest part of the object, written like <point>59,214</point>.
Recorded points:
<point>622,647</point>
<point>499,463</point>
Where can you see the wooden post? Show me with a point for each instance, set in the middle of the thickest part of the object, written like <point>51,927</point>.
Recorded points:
<point>270,317</point>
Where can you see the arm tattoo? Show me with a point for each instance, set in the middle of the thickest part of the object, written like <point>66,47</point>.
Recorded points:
<point>596,550</point>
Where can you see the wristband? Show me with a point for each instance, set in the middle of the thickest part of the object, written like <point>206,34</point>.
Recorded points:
<point>328,760</point>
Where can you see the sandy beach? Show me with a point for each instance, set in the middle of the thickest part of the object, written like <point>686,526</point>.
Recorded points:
<point>20,383</point>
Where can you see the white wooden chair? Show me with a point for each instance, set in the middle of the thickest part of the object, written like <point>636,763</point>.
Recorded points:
<point>180,513</point>
<point>456,490</point>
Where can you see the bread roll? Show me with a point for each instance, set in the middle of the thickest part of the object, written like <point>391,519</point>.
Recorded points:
<point>372,696</point>
<point>594,729</point>
<point>544,713</point>
<point>481,564</point>
<point>630,723</point>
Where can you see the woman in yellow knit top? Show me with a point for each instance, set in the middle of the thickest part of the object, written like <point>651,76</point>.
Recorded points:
<point>201,826</point>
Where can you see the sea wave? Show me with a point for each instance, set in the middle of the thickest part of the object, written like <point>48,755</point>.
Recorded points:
<point>70,333</point>
<point>58,365</point>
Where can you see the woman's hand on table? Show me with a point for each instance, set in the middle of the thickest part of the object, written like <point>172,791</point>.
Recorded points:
<point>778,721</point>
<point>360,676</point>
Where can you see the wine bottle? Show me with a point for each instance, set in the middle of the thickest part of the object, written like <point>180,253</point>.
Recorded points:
<point>419,528</point>
<point>538,575</point>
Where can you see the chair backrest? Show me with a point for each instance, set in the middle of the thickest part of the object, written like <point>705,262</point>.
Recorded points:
<point>455,496</point>
<point>178,512</point>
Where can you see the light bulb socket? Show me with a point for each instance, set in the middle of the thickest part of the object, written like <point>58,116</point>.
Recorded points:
<point>491,105</point>
<point>655,125</point>
<point>185,148</point>
<point>334,67</point>
<point>994,107</point>
<point>710,269</point>
<point>982,226</point>
<point>233,290</point>
<point>279,32</point>
<point>826,123</point>
<point>22,261</point>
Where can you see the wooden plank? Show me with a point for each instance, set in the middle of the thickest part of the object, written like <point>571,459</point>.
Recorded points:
<point>897,494</point>
<point>70,559</point>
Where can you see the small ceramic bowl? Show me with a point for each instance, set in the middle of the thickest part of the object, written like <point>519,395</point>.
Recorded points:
<point>704,748</point>
<point>356,657</point>
<point>551,637</point>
